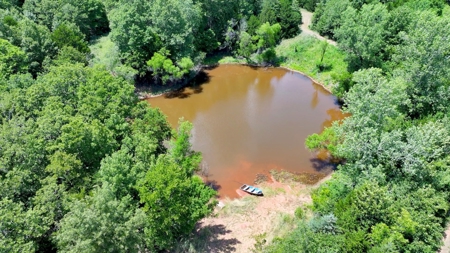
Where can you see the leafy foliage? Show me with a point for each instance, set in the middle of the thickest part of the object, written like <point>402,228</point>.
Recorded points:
<point>75,147</point>
<point>362,34</point>
<point>12,61</point>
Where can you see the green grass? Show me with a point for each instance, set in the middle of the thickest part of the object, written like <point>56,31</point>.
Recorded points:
<point>104,51</point>
<point>303,52</point>
<point>239,206</point>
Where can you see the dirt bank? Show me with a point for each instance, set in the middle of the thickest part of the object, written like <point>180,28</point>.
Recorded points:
<point>235,223</point>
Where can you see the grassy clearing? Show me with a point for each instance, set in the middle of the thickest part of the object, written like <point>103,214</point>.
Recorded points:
<point>239,206</point>
<point>303,53</point>
<point>104,51</point>
<point>271,191</point>
<point>283,224</point>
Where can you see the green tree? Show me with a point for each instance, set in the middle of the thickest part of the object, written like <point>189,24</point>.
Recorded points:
<point>423,62</point>
<point>363,36</point>
<point>37,44</point>
<point>88,15</point>
<point>246,45</point>
<point>70,55</point>
<point>177,34</point>
<point>69,35</point>
<point>174,199</point>
<point>289,19</point>
<point>5,4</point>
<point>284,12</point>
<point>253,24</point>
<point>121,173</point>
<point>12,59</point>
<point>270,11</point>
<point>329,16</point>
<point>133,34</point>
<point>17,226</point>
<point>163,68</point>
<point>216,14</point>
<point>268,35</point>
<point>9,26</point>
<point>309,5</point>
<point>102,223</point>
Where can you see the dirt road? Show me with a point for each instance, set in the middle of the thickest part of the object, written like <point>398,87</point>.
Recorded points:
<point>307,18</point>
<point>446,247</point>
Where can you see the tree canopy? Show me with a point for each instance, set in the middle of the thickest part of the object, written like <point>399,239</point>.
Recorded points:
<point>86,167</point>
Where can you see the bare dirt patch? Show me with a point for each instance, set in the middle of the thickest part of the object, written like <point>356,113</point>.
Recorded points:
<point>446,247</point>
<point>236,223</point>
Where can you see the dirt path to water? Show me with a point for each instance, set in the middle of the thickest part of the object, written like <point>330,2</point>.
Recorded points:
<point>306,19</point>
<point>237,223</point>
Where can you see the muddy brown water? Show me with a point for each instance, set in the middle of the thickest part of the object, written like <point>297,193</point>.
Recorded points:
<point>251,120</point>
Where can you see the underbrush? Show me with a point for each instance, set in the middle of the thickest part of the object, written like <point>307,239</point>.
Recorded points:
<point>223,58</point>
<point>289,177</point>
<point>105,52</point>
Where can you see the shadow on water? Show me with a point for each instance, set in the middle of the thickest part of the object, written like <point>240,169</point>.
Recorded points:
<point>207,239</point>
<point>194,87</point>
<point>323,166</point>
<point>213,184</point>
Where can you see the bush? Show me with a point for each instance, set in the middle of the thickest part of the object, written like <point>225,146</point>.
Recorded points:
<point>324,224</point>
<point>299,213</point>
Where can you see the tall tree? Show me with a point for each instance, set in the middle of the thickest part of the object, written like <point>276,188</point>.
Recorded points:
<point>12,59</point>
<point>329,16</point>
<point>102,223</point>
<point>176,22</point>
<point>88,15</point>
<point>36,42</point>
<point>289,19</point>
<point>363,36</point>
<point>132,31</point>
<point>174,199</point>
<point>423,57</point>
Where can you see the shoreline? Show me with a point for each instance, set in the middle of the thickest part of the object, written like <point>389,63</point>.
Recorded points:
<point>143,95</point>
<point>242,222</point>
<point>279,179</point>
<point>312,79</point>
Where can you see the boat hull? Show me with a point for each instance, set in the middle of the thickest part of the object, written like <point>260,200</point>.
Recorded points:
<point>252,190</point>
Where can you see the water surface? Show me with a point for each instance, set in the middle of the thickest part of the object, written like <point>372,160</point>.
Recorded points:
<point>251,120</point>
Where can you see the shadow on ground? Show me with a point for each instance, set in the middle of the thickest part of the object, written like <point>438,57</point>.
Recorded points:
<point>209,238</point>
<point>211,241</point>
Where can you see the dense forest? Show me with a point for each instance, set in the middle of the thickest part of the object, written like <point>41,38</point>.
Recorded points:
<point>391,192</point>
<point>86,167</point>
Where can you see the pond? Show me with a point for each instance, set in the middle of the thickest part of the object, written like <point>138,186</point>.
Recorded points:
<point>248,121</point>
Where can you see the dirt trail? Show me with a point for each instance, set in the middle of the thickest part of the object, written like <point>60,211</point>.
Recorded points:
<point>446,247</point>
<point>307,18</point>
